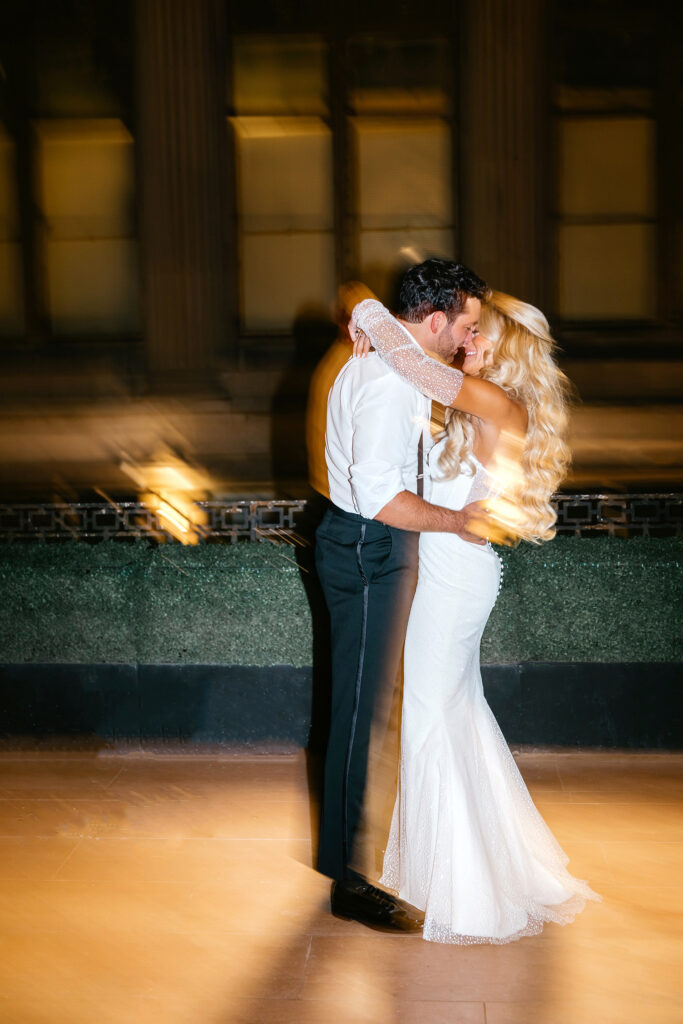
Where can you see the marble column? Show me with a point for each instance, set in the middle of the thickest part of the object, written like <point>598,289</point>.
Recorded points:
<point>181,151</point>
<point>503,159</point>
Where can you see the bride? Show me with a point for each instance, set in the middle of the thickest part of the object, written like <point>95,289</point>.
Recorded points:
<point>467,845</point>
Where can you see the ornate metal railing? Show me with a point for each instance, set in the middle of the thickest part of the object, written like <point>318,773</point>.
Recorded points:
<point>226,520</point>
<point>621,515</point>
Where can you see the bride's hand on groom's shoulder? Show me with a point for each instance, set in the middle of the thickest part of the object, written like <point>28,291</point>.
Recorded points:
<point>361,343</point>
<point>355,292</point>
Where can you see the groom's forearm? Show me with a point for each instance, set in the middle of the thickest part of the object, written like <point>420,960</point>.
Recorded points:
<point>406,511</point>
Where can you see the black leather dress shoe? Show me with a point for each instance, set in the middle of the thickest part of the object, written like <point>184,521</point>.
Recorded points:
<point>360,901</point>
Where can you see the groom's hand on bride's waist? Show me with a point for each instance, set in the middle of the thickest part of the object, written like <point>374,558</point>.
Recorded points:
<point>476,523</point>
<point>407,511</point>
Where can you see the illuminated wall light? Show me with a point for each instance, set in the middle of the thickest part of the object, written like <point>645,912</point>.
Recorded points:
<point>177,514</point>
<point>171,489</point>
<point>173,518</point>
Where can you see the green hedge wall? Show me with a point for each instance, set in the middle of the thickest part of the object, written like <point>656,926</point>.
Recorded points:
<point>570,600</point>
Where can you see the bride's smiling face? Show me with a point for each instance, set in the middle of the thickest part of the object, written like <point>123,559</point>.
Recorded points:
<point>478,351</point>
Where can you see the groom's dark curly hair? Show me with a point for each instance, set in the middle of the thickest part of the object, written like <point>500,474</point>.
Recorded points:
<point>438,285</point>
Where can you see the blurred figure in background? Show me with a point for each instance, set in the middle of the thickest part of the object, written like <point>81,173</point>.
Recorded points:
<point>323,378</point>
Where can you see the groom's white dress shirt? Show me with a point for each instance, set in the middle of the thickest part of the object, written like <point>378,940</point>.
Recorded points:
<point>374,422</point>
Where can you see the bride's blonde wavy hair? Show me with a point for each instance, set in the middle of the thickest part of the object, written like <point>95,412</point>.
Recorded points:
<point>522,364</point>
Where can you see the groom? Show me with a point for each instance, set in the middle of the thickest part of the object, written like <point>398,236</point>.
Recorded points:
<point>366,556</point>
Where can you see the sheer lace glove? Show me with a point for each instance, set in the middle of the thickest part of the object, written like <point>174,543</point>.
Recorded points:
<point>398,349</point>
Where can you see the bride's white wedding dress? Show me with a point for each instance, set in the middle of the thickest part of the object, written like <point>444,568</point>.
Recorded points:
<point>467,845</point>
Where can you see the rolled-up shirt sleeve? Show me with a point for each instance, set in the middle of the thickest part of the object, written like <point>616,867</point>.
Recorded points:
<point>383,426</point>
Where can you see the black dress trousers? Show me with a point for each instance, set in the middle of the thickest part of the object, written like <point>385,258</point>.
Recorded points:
<point>368,573</point>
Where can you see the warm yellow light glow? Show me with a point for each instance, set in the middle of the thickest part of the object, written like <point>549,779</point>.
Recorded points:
<point>177,514</point>
<point>171,488</point>
<point>504,519</point>
<point>173,518</point>
<point>173,478</point>
<point>165,472</point>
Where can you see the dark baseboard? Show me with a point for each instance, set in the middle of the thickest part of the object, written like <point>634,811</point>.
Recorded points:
<point>588,704</point>
<point>610,705</point>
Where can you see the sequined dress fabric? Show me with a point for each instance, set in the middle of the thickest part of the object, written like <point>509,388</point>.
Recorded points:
<point>467,845</point>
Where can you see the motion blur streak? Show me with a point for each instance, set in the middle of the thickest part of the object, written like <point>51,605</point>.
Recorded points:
<point>171,488</point>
